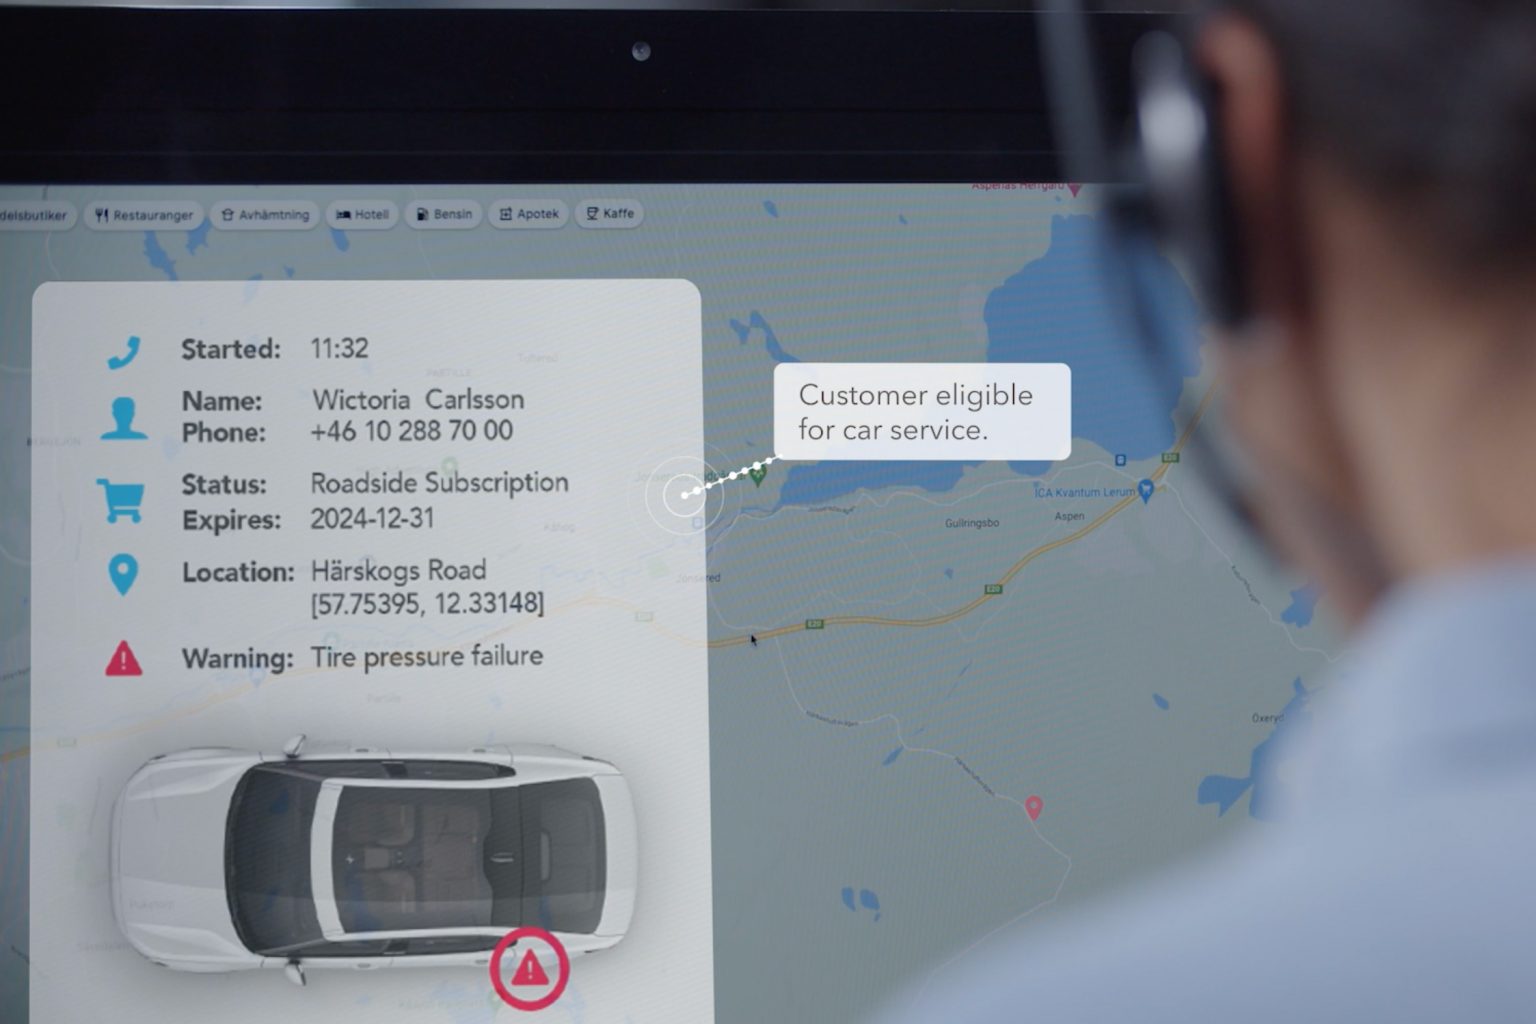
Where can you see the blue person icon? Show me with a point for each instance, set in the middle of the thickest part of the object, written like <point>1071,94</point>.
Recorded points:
<point>122,414</point>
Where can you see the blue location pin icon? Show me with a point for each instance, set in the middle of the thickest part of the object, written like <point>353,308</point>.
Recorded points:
<point>1145,489</point>
<point>123,569</point>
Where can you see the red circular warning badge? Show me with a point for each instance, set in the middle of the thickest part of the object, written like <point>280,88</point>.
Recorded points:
<point>529,986</point>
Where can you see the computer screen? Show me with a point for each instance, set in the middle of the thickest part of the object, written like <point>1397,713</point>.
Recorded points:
<point>642,601</point>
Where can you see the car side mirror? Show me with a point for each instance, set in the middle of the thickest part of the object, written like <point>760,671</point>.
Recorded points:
<point>294,972</point>
<point>291,750</point>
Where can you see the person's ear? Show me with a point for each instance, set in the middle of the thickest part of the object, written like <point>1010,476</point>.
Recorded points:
<point>1249,100</point>
<point>1306,494</point>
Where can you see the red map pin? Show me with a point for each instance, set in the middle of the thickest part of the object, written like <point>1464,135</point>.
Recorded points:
<point>1033,805</point>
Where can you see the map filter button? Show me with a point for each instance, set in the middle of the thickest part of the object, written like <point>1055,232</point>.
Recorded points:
<point>525,214</point>
<point>362,215</point>
<point>143,215</point>
<point>609,214</point>
<point>265,215</point>
<point>443,214</point>
<point>37,215</point>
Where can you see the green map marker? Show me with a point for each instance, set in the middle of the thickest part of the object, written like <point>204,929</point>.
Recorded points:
<point>757,473</point>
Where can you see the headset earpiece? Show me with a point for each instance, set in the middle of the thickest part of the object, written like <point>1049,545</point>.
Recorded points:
<point>1178,157</point>
<point>1166,178</point>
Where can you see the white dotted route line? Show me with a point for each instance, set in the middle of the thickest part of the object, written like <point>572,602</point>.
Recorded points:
<point>694,492</point>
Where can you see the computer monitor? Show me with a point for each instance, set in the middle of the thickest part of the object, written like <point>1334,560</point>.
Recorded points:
<point>654,516</point>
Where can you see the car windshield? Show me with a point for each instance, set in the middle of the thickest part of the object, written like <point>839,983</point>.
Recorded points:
<point>409,858</point>
<point>564,856</point>
<point>267,859</point>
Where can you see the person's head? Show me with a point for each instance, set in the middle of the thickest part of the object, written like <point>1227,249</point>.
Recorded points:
<point>1382,160</point>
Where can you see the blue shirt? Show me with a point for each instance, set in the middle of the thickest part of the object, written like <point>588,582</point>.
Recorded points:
<point>1401,887</point>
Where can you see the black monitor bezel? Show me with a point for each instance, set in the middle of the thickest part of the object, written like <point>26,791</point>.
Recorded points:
<point>179,96</point>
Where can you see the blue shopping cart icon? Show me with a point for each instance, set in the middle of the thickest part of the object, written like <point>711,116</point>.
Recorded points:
<point>122,500</point>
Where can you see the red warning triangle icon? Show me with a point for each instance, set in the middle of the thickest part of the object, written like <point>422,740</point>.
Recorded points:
<point>530,971</point>
<point>123,662</point>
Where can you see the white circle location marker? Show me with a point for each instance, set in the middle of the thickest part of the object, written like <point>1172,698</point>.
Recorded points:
<point>684,495</point>
<point>673,496</point>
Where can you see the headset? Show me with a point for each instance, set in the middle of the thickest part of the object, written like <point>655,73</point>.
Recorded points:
<point>1167,190</point>
<point>1169,181</point>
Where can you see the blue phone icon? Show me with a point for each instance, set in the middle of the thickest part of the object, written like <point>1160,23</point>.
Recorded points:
<point>118,362</point>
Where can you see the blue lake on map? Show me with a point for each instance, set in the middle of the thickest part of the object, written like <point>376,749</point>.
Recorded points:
<point>1263,766</point>
<point>1057,308</point>
<point>867,900</point>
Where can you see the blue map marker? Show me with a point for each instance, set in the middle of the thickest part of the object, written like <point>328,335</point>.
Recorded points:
<point>123,569</point>
<point>1145,489</point>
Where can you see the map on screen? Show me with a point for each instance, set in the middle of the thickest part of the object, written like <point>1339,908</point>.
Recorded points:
<point>499,477</point>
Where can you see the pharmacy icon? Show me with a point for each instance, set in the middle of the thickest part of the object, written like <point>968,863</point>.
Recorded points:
<point>123,410</point>
<point>122,499</point>
<point>123,570</point>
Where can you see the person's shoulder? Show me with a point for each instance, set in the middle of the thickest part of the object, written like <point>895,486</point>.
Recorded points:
<point>1123,960</point>
<point>1330,922</point>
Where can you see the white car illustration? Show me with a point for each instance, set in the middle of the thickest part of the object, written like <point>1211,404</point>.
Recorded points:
<point>364,859</point>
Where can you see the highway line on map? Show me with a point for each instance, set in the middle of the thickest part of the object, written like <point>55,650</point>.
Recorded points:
<point>1017,567</point>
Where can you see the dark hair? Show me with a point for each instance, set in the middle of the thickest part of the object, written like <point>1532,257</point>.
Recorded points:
<point>1428,101</point>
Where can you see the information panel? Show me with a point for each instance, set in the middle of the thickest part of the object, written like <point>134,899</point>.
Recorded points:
<point>412,522</point>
